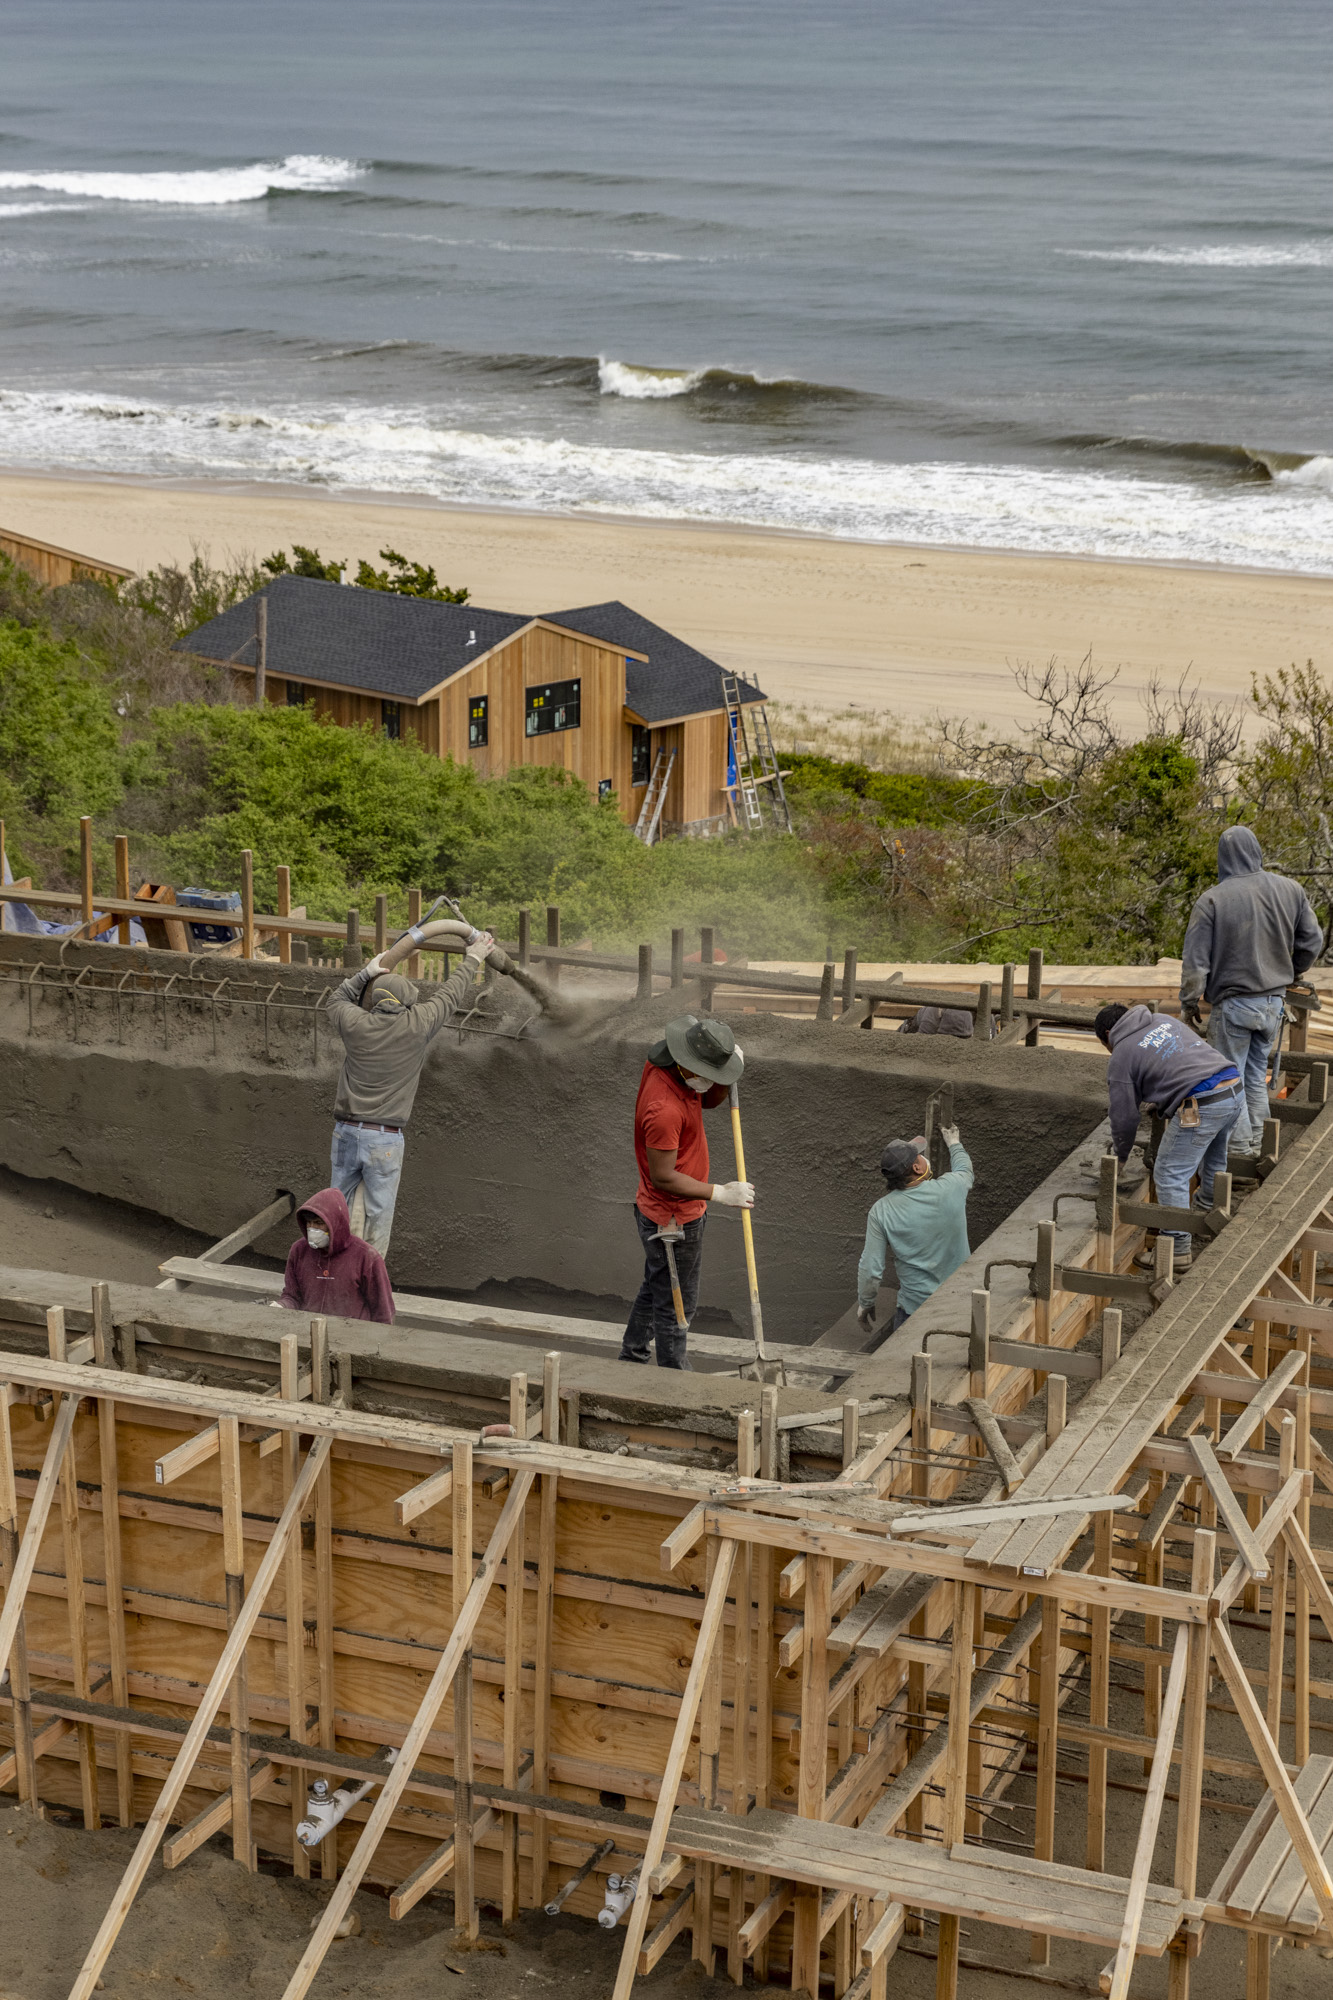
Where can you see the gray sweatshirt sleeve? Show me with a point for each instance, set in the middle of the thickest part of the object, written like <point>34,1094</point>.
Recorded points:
<point>429,1016</point>
<point>1196,955</point>
<point>870,1270</point>
<point>347,997</point>
<point>1309,940</point>
<point>1124,1106</point>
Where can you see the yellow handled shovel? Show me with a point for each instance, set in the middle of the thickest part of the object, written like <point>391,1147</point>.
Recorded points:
<point>761,1369</point>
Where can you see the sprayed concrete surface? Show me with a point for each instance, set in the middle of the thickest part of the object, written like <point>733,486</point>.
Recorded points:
<point>520,1163</point>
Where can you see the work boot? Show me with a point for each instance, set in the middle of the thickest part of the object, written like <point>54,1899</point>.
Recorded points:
<point>1147,1261</point>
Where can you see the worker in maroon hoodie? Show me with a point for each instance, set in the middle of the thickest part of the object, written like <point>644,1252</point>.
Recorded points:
<point>331,1271</point>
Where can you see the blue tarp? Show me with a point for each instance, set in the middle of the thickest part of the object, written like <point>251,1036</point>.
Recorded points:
<point>22,920</point>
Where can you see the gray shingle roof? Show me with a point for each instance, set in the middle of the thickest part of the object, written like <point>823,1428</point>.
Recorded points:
<point>397,647</point>
<point>401,647</point>
<point>677,679</point>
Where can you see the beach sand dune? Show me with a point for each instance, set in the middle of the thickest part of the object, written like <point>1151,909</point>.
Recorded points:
<point>904,631</point>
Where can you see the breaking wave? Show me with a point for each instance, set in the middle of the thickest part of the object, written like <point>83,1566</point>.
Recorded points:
<point>1283,521</point>
<point>1218,256</point>
<point>638,384</point>
<point>210,187</point>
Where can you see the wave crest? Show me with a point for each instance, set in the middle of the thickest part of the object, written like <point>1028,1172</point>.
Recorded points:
<point>1217,256</point>
<point>206,187</point>
<point>638,384</point>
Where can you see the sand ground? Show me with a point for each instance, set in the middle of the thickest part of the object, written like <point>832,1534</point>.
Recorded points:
<point>904,631</point>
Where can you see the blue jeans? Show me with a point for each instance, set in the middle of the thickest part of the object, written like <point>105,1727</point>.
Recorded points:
<point>652,1317</point>
<point>1200,1148</point>
<point>1245,1029</point>
<point>370,1158</point>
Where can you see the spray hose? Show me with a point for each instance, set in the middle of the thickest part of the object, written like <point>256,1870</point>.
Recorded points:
<point>460,930</point>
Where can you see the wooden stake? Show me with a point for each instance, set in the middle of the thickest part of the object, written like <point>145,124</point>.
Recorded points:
<point>677,959</point>
<point>1189,1810</point>
<point>1048,1725</point>
<point>762,1664</point>
<point>813,1779</point>
<point>1152,1814</point>
<point>247,903</point>
<point>742,1695</point>
<point>284,910</point>
<point>848,978</point>
<point>460,1641</point>
<point>466,1918</point>
<point>321,1389</point>
<point>86,869</point>
<point>710,1627</point>
<point>1035,963</point>
<point>123,885</point>
<point>75,1597</point>
<point>112,1570</point>
<point>197,1733</point>
<point>20,1687</point>
<point>552,941</point>
<point>513,1671</point>
<point>1277,1617</point>
<point>233,1578</point>
<point>289,1382</point>
<point>1300,1594</point>
<point>965,1596</point>
<point>1099,1696</point>
<point>710,1748</point>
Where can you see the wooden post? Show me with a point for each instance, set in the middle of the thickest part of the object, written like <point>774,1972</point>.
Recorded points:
<point>1007,995</point>
<point>824,1010</point>
<point>247,903</point>
<point>233,1576</point>
<point>710,1750</point>
<point>1099,1696</point>
<point>524,935</point>
<point>813,1779</point>
<point>86,869</point>
<point>1277,1621</point>
<point>321,1389</point>
<point>553,940</point>
<point>75,1595</point>
<point>466,1918</point>
<point>1043,1305</point>
<point>352,948</point>
<point>1111,1325</point>
<point>1035,963</point>
<point>1189,1811</point>
<point>1048,1725</point>
<point>381,924</point>
<point>955,1771</point>
<point>515,1576</point>
<point>742,1692</point>
<point>284,910</point>
<point>763,1663</point>
<point>123,886</point>
<point>196,1734</point>
<point>1108,1202</point>
<point>645,986</point>
<point>848,978</point>
<point>677,959</point>
<point>1152,1815</point>
<point>705,960</point>
<point>982,1026</point>
<point>20,1686</point>
<point>1300,1594</point>
<point>289,1384</point>
<point>851,1430</point>
<point>109,1465</point>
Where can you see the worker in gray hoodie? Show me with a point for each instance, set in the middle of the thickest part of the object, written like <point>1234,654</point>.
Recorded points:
<point>1247,940</point>
<point>1159,1061</point>
<point>387,1030</point>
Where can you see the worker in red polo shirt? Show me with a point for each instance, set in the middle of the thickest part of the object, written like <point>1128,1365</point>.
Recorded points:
<point>686,1074</point>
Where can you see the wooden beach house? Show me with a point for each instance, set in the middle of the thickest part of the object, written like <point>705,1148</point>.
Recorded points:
<point>626,706</point>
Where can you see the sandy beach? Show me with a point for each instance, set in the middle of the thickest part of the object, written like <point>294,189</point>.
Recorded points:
<point>826,624</point>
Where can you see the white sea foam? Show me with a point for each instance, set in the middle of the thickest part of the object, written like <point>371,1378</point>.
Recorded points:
<point>1283,524</point>
<point>645,385</point>
<point>299,173</point>
<point>9,208</point>
<point>1219,256</point>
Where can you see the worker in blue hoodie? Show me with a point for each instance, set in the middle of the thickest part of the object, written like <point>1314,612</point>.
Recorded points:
<point>1159,1061</point>
<point>1247,940</point>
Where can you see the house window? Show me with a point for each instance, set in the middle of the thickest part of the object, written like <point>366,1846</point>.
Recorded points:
<point>555,706</point>
<point>478,722</point>
<point>390,720</point>
<point>638,754</point>
<point>297,694</point>
<point>604,788</point>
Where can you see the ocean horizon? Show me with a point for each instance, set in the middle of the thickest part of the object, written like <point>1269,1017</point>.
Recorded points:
<point>1056,282</point>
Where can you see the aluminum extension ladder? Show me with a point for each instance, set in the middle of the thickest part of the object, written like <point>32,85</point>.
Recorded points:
<point>650,812</point>
<point>756,764</point>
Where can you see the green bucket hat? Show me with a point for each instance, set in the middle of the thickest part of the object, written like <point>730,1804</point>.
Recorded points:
<point>706,1047</point>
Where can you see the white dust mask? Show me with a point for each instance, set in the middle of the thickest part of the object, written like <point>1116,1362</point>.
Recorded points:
<point>699,1083</point>
<point>317,1238</point>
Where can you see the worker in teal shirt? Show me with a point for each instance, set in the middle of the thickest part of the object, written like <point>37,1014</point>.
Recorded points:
<point>922,1220</point>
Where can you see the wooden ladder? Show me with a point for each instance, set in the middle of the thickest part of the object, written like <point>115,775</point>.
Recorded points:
<point>650,812</point>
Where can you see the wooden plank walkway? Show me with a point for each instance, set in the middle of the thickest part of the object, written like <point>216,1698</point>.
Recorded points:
<point>1262,1883</point>
<point>1007,1889</point>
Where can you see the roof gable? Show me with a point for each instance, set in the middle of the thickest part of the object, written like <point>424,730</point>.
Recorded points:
<point>677,679</point>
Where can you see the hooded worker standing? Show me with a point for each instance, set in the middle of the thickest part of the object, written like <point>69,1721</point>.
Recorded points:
<point>331,1271</point>
<point>689,1072</point>
<point>387,1030</point>
<point>1247,940</point>
<point>923,1221</point>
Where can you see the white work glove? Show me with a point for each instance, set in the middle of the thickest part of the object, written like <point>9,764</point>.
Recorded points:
<point>375,964</point>
<point>479,947</point>
<point>734,1194</point>
<point>949,1134</point>
<point>865,1318</point>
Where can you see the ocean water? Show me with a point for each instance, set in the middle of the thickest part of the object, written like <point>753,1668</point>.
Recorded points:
<point>1051,275</point>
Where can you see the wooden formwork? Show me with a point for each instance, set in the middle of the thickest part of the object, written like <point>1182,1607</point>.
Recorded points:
<point>230,1566</point>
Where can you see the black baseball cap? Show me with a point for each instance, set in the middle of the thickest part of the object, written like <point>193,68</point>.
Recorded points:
<point>898,1161</point>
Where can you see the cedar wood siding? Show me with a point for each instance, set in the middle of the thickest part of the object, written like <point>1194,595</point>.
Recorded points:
<point>599,748</point>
